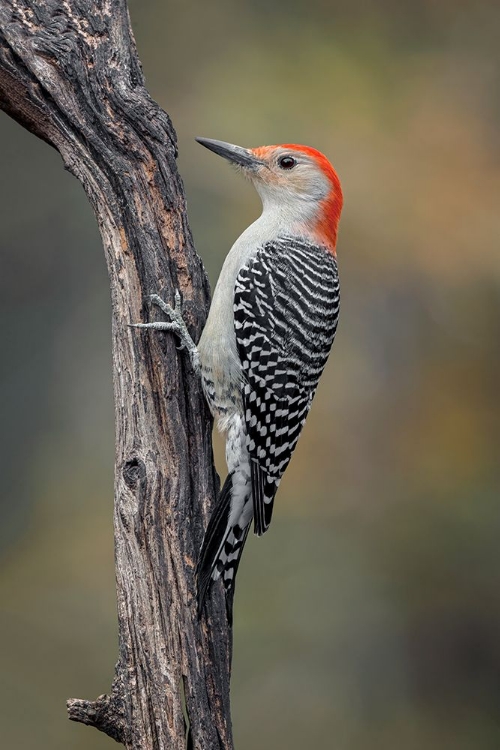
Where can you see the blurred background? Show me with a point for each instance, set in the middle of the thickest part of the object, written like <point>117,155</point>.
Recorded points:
<point>369,616</point>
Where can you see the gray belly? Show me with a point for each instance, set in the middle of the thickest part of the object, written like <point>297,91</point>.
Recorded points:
<point>219,360</point>
<point>221,376</point>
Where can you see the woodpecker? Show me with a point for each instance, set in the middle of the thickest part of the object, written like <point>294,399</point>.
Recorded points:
<point>267,338</point>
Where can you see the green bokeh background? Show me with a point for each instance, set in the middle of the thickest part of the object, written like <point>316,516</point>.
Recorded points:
<point>369,616</point>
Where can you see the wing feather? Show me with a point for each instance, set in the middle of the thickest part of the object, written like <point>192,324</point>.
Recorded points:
<point>286,307</point>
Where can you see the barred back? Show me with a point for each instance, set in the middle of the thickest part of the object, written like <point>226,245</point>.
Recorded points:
<point>286,308</point>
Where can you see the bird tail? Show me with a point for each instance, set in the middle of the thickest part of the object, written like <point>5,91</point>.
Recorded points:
<point>222,546</point>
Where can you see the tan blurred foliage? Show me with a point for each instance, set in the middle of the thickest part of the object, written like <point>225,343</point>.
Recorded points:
<point>368,617</point>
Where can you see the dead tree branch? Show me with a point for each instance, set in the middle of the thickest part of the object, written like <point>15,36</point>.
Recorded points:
<point>69,73</point>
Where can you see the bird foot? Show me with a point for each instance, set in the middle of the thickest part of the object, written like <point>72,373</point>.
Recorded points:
<point>175,325</point>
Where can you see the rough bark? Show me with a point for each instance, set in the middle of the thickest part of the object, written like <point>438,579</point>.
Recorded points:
<point>69,73</point>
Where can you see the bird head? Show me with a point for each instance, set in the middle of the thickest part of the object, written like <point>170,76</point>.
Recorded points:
<point>297,181</point>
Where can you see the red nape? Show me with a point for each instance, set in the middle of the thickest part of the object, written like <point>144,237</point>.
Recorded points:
<point>328,221</point>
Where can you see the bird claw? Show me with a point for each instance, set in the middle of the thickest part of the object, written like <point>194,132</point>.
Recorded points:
<point>174,313</point>
<point>175,325</point>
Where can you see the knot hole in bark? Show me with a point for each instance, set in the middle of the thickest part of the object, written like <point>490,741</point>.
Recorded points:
<point>134,472</point>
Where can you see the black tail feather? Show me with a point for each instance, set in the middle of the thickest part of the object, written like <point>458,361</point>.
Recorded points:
<point>221,550</point>
<point>258,497</point>
<point>213,539</point>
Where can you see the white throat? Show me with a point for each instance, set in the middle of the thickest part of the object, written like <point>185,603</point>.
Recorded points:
<point>288,215</point>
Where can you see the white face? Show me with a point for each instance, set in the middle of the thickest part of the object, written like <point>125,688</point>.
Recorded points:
<point>285,175</point>
<point>299,188</point>
<point>294,182</point>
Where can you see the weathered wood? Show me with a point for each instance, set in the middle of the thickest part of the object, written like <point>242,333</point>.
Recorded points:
<point>69,73</point>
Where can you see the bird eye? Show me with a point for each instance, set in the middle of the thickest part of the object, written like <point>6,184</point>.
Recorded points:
<point>286,162</point>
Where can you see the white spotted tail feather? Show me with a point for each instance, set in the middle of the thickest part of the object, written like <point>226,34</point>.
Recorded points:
<point>222,547</point>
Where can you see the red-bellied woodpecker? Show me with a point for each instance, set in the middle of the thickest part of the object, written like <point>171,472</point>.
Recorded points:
<point>267,338</point>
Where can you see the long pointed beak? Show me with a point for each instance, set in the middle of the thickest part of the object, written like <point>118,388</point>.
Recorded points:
<point>235,154</point>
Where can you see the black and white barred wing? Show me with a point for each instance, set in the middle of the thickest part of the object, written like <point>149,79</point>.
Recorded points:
<point>286,309</point>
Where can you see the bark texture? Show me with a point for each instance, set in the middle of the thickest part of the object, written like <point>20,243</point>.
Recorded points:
<point>69,73</point>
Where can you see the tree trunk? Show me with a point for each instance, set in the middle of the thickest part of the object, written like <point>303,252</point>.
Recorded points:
<point>69,73</point>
